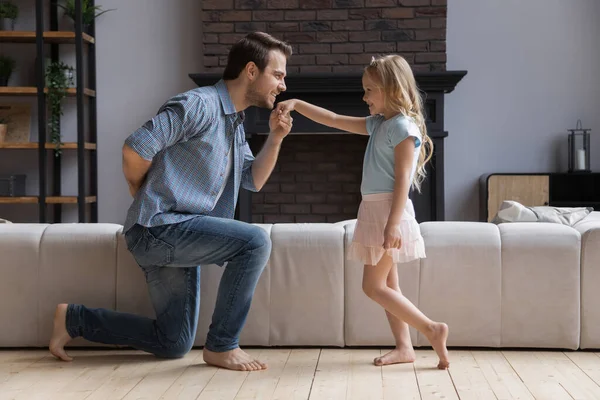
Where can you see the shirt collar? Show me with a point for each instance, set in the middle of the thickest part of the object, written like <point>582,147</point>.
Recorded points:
<point>226,103</point>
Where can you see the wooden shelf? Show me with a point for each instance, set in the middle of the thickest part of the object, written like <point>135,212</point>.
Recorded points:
<point>53,37</point>
<point>69,199</point>
<point>18,200</point>
<point>32,91</point>
<point>49,200</point>
<point>49,146</point>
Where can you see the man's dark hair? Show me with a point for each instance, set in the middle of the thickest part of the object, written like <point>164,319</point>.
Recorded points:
<point>254,47</point>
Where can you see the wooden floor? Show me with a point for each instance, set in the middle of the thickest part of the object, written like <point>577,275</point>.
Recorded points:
<point>301,374</point>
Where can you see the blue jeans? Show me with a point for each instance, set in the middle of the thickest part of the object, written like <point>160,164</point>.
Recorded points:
<point>170,256</point>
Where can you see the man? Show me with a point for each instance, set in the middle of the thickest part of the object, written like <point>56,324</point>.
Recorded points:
<point>184,168</point>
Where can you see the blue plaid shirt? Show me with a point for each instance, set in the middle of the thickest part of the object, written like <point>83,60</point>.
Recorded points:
<point>188,142</point>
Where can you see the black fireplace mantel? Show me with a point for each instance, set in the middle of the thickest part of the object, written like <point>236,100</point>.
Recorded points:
<point>342,93</point>
<point>443,81</point>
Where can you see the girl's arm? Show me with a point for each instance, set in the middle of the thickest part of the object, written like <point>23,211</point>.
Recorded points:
<point>403,158</point>
<point>325,117</point>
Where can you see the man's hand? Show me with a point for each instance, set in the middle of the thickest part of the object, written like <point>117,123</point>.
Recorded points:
<point>280,124</point>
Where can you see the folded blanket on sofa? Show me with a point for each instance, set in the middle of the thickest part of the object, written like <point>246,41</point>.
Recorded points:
<point>512,211</point>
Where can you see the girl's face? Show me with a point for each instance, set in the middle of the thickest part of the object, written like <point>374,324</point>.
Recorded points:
<point>374,96</point>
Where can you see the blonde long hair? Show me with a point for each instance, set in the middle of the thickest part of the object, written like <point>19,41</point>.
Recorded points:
<point>402,95</point>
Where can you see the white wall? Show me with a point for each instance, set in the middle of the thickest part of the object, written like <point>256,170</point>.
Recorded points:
<point>533,71</point>
<point>146,49</point>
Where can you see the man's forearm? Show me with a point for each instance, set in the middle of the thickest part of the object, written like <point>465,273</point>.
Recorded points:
<point>265,161</point>
<point>135,168</point>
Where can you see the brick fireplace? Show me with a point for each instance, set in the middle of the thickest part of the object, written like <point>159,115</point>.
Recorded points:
<point>317,177</point>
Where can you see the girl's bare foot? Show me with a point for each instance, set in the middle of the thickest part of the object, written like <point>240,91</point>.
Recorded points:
<point>60,336</point>
<point>235,359</point>
<point>438,334</point>
<point>397,356</point>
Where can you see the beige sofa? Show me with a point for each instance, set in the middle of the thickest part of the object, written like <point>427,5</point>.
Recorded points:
<point>509,285</point>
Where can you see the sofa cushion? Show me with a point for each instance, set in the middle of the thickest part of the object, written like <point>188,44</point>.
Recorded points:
<point>20,284</point>
<point>589,228</point>
<point>307,285</point>
<point>77,265</point>
<point>540,285</point>
<point>460,281</point>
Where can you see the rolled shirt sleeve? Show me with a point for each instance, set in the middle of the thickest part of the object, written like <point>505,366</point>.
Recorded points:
<point>179,119</point>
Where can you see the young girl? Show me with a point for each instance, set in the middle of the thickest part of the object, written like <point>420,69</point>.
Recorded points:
<point>386,231</point>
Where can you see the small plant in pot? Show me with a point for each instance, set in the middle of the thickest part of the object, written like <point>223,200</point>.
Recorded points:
<point>58,82</point>
<point>8,14</point>
<point>88,13</point>
<point>7,66</point>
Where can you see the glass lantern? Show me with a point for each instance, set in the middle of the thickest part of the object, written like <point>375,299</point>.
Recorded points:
<point>579,149</point>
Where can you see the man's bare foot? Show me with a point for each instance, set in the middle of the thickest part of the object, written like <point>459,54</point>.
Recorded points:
<point>397,356</point>
<point>438,334</point>
<point>60,336</point>
<point>235,359</point>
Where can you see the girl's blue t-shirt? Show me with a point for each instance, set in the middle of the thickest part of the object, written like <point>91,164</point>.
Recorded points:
<point>384,136</point>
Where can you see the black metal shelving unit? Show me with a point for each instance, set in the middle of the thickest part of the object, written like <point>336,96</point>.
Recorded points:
<point>83,147</point>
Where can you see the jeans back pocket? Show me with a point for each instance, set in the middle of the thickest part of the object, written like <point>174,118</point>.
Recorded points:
<point>152,251</point>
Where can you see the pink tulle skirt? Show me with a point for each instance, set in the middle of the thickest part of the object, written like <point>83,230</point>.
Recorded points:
<point>367,243</point>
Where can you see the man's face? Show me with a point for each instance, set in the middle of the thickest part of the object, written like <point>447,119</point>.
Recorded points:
<point>268,83</point>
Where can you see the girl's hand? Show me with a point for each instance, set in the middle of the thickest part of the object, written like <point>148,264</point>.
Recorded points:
<point>286,107</point>
<point>392,238</point>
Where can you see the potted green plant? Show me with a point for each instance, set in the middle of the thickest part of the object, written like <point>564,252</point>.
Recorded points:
<point>7,66</point>
<point>57,81</point>
<point>88,13</point>
<point>8,14</point>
